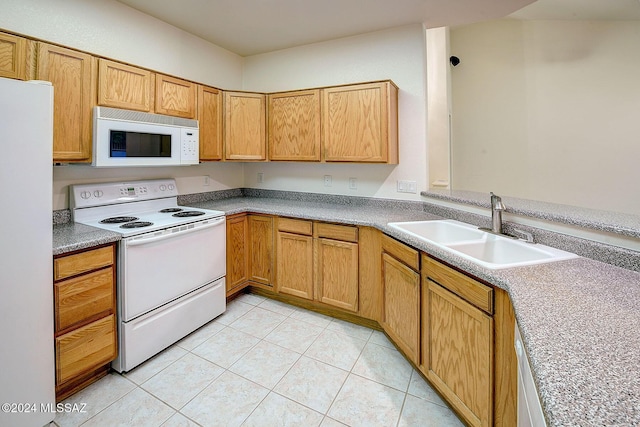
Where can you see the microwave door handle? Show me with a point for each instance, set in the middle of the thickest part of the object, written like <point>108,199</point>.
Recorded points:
<point>144,241</point>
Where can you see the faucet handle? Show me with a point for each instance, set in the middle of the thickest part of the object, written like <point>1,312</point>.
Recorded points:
<point>496,202</point>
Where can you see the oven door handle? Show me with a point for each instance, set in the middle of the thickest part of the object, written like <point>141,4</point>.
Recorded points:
<point>143,241</point>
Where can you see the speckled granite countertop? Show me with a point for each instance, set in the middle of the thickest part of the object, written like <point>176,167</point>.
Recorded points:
<point>580,319</point>
<point>620,223</point>
<point>71,237</point>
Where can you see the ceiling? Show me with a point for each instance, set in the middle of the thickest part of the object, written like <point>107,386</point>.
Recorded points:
<point>250,27</point>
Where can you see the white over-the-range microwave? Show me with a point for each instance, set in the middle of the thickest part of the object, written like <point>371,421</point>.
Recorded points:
<point>134,138</point>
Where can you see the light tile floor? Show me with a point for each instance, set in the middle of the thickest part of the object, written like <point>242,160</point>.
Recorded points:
<point>265,363</point>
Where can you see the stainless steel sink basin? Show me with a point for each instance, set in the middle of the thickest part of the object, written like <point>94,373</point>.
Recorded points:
<point>485,249</point>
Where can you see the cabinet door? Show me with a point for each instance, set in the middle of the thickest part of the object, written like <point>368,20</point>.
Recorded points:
<point>360,123</point>
<point>210,123</point>
<point>175,97</point>
<point>237,253</point>
<point>261,249</point>
<point>294,126</point>
<point>294,265</point>
<point>244,126</point>
<point>458,353</point>
<point>13,56</point>
<point>124,86</point>
<point>338,274</point>
<point>74,83</point>
<point>401,314</point>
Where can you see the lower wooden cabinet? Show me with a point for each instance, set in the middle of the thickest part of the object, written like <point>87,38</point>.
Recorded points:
<point>294,258</point>
<point>401,297</point>
<point>85,318</point>
<point>237,253</point>
<point>337,266</point>
<point>458,340</point>
<point>261,249</point>
<point>318,261</point>
<point>459,357</point>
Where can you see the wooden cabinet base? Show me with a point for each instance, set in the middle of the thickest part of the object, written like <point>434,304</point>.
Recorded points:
<point>72,387</point>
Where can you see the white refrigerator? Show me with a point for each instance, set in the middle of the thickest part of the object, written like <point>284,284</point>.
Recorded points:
<point>27,367</point>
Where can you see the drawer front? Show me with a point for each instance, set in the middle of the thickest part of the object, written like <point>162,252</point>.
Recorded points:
<point>85,348</point>
<point>337,232</point>
<point>82,262</point>
<point>84,297</point>
<point>471,290</point>
<point>402,252</point>
<point>297,226</point>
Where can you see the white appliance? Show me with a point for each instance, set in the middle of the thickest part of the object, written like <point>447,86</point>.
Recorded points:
<point>133,138</point>
<point>529,408</point>
<point>171,262</point>
<point>27,376</point>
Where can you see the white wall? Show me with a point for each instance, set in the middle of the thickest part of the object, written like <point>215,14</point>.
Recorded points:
<point>548,110</point>
<point>397,54</point>
<point>111,29</point>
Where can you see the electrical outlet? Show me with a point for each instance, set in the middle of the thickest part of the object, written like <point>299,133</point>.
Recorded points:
<point>327,180</point>
<point>206,180</point>
<point>353,183</point>
<point>407,187</point>
<point>260,177</point>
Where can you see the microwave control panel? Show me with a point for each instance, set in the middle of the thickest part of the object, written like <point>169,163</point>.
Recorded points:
<point>189,147</point>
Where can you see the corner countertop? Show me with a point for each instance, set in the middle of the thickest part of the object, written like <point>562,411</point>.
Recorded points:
<point>71,237</point>
<point>580,318</point>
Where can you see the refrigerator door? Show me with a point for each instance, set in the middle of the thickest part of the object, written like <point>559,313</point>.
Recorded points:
<point>27,367</point>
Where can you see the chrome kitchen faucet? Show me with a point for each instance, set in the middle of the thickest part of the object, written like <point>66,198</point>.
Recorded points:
<point>496,213</point>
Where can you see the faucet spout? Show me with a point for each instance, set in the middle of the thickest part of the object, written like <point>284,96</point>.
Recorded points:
<point>496,213</point>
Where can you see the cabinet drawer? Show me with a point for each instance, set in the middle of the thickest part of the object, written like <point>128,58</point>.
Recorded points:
<point>82,262</point>
<point>85,348</point>
<point>402,252</point>
<point>83,297</point>
<point>296,226</point>
<point>337,232</point>
<point>471,290</point>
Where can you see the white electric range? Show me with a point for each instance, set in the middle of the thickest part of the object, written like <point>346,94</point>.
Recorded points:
<point>171,262</point>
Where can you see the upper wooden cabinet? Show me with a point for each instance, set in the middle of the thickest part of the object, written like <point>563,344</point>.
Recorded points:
<point>294,126</point>
<point>360,123</point>
<point>13,56</point>
<point>175,97</point>
<point>210,123</point>
<point>133,88</point>
<point>73,75</point>
<point>244,126</point>
<point>124,86</point>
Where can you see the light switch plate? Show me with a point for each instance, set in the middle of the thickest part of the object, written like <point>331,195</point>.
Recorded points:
<point>407,186</point>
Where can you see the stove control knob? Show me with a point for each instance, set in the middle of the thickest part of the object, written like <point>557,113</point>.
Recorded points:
<point>171,187</point>
<point>163,187</point>
<point>85,194</point>
<point>98,193</point>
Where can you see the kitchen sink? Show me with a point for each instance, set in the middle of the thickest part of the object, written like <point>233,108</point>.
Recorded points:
<point>486,249</point>
<point>440,232</point>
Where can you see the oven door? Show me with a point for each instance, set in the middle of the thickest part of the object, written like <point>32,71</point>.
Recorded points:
<point>157,268</point>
